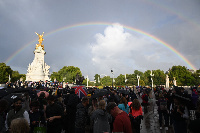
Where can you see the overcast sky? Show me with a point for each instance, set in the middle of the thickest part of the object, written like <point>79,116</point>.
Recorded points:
<point>110,44</point>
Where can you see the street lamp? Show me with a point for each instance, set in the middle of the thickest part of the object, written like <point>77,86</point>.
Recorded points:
<point>113,77</point>
<point>151,79</point>
<point>138,77</point>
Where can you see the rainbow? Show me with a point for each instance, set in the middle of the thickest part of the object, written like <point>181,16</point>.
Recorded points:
<point>107,24</point>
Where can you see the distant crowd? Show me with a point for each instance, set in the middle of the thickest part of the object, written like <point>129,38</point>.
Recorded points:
<point>42,108</point>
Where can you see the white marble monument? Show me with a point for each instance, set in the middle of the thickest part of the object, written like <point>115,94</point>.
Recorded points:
<point>38,70</point>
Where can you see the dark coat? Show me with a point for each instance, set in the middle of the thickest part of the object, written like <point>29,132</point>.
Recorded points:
<point>82,117</point>
<point>101,121</point>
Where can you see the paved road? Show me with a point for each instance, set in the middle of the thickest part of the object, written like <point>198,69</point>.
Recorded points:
<point>150,123</point>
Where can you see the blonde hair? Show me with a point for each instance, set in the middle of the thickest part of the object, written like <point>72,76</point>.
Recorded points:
<point>102,104</point>
<point>19,125</point>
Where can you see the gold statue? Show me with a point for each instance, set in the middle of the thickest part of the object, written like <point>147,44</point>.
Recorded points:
<point>40,41</point>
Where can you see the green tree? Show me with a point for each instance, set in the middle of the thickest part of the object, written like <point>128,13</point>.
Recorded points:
<point>5,71</point>
<point>55,75</point>
<point>89,83</point>
<point>16,76</point>
<point>182,75</point>
<point>196,76</point>
<point>130,79</point>
<point>142,82</point>
<point>147,77</point>
<point>141,74</point>
<point>23,76</point>
<point>159,77</point>
<point>120,80</point>
<point>106,81</point>
<point>68,73</point>
<point>97,79</point>
<point>84,82</point>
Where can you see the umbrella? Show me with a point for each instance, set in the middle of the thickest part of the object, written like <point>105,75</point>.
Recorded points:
<point>100,93</point>
<point>12,96</point>
<point>46,93</point>
<point>10,90</point>
<point>123,91</point>
<point>3,93</point>
<point>22,90</point>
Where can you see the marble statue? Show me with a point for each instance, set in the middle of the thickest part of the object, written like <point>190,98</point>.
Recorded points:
<point>38,70</point>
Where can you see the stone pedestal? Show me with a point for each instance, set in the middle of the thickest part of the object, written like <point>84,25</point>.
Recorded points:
<point>38,70</point>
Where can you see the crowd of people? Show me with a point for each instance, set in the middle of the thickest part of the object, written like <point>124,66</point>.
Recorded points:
<point>115,110</point>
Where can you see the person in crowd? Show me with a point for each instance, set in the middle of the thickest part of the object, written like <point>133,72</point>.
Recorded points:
<point>116,97</point>
<point>197,111</point>
<point>194,126</point>
<point>136,114</point>
<point>54,113</point>
<point>32,93</point>
<point>3,108</point>
<point>71,101</point>
<point>123,105</point>
<point>43,101</point>
<point>19,125</point>
<point>122,121</point>
<point>132,95</point>
<point>145,101</point>
<point>91,109</point>
<point>26,102</point>
<point>101,119</point>
<point>36,116</point>
<point>59,101</point>
<point>82,117</point>
<point>16,112</point>
<point>180,115</point>
<point>194,98</point>
<point>163,111</point>
<point>138,90</point>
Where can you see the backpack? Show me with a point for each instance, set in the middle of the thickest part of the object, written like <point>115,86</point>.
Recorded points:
<point>163,105</point>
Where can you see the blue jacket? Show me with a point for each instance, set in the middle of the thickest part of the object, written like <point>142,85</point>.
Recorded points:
<point>122,107</point>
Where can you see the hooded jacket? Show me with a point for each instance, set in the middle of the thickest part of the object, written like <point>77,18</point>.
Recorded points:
<point>101,120</point>
<point>82,117</point>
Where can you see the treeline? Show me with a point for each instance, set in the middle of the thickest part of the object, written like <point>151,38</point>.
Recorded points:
<point>72,74</point>
<point>5,71</point>
<point>181,74</point>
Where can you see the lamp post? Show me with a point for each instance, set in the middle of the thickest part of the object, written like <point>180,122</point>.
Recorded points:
<point>138,78</point>
<point>151,79</point>
<point>125,79</point>
<point>113,77</point>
